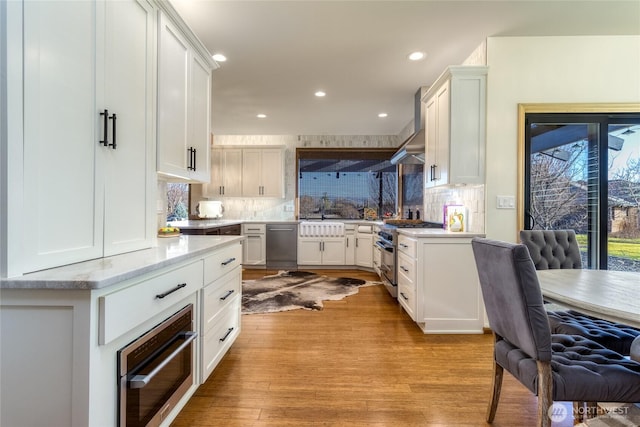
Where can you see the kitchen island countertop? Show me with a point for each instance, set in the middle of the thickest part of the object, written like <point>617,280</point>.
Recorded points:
<point>102,272</point>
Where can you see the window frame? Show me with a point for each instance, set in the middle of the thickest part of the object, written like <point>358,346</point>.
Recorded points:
<point>344,153</point>
<point>598,113</point>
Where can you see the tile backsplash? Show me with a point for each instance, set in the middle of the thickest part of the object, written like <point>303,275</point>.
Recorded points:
<point>472,197</point>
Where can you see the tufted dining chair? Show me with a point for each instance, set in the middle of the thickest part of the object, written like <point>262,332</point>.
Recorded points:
<point>552,249</point>
<point>555,367</point>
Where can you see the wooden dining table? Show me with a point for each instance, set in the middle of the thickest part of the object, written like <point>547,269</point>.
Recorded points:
<point>605,294</point>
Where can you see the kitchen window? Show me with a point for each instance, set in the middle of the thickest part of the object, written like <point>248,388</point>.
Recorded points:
<point>345,183</point>
<point>582,172</point>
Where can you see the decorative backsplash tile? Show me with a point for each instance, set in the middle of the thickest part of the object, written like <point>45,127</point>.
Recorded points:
<point>472,197</point>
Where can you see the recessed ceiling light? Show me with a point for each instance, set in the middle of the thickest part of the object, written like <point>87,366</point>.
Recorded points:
<point>261,116</point>
<point>382,115</point>
<point>320,94</point>
<point>416,56</point>
<point>218,57</point>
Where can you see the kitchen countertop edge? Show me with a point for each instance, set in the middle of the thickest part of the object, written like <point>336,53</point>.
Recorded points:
<point>103,272</point>
<point>436,232</point>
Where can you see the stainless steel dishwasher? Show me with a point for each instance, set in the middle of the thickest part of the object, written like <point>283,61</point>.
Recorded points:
<point>282,245</point>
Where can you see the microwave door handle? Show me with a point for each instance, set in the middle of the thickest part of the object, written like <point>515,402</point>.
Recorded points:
<point>140,381</point>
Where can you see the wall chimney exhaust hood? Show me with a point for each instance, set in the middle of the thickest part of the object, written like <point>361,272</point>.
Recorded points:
<point>412,150</point>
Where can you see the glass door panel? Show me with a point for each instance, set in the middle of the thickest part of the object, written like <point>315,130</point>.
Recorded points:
<point>623,238</point>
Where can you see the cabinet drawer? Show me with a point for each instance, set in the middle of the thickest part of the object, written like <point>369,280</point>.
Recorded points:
<point>219,295</point>
<point>222,261</point>
<point>407,299</point>
<point>124,309</point>
<point>215,342</point>
<point>407,246</point>
<point>407,266</point>
<point>253,229</point>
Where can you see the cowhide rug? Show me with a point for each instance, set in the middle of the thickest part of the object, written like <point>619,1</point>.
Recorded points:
<point>291,290</point>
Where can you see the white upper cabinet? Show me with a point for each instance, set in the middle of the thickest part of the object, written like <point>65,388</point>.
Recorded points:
<point>226,173</point>
<point>455,127</point>
<point>263,172</point>
<point>184,93</point>
<point>68,201</point>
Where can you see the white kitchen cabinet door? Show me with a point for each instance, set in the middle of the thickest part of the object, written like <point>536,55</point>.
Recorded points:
<point>129,94</point>
<point>455,127</point>
<point>364,250</point>
<point>198,118</point>
<point>255,246</point>
<point>62,215</point>
<point>333,252</point>
<point>226,173</point>
<point>184,92</point>
<point>87,185</point>
<point>309,252</point>
<point>272,171</point>
<point>173,91</point>
<point>350,249</point>
<point>262,172</point>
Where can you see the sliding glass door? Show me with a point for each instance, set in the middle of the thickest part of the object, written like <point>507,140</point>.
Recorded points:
<point>582,172</point>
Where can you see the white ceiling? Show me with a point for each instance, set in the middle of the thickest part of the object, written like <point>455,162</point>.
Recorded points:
<point>280,52</point>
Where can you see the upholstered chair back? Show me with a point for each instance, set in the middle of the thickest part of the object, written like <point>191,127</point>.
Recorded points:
<point>552,249</point>
<point>512,296</point>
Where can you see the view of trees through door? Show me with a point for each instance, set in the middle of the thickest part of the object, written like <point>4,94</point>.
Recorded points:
<point>582,172</point>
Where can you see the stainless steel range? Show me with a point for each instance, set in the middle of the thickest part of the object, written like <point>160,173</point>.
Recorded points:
<point>388,242</point>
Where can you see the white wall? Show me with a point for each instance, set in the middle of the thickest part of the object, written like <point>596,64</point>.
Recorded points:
<point>594,69</point>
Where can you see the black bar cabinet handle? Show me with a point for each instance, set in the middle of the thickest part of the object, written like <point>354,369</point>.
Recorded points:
<point>227,295</point>
<point>227,334</point>
<point>113,128</point>
<point>229,261</point>
<point>404,296</point>
<point>193,164</point>
<point>105,135</point>
<point>170,291</point>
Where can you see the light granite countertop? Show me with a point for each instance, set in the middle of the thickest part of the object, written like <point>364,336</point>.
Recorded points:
<point>103,272</point>
<point>199,224</point>
<point>436,232</point>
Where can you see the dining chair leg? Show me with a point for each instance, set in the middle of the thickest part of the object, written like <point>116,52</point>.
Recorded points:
<point>579,411</point>
<point>498,372</point>
<point>545,393</point>
<point>591,410</point>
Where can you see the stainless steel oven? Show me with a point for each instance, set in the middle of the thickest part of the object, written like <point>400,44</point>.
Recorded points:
<point>156,370</point>
<point>386,242</point>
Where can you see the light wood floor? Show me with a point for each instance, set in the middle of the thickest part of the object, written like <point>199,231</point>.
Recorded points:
<point>359,362</point>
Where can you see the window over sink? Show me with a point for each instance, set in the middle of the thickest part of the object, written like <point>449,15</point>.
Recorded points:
<point>346,183</point>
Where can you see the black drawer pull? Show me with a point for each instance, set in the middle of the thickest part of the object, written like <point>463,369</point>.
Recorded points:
<point>170,291</point>
<point>404,269</point>
<point>229,261</point>
<point>228,294</point>
<point>227,334</point>
<point>404,296</point>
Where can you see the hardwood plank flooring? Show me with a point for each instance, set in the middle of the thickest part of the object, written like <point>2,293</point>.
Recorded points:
<point>359,362</point>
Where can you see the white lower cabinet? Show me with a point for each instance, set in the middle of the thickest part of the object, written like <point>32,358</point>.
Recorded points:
<point>59,346</point>
<point>255,246</point>
<point>321,251</point>
<point>220,318</point>
<point>406,265</point>
<point>438,284</point>
<point>364,250</point>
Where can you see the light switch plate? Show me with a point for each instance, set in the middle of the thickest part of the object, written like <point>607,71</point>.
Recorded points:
<point>506,202</point>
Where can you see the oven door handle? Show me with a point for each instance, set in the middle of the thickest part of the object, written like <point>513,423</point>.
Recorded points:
<point>386,247</point>
<point>140,381</point>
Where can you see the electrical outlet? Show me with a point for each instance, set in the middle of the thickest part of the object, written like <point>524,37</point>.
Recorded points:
<point>506,202</point>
